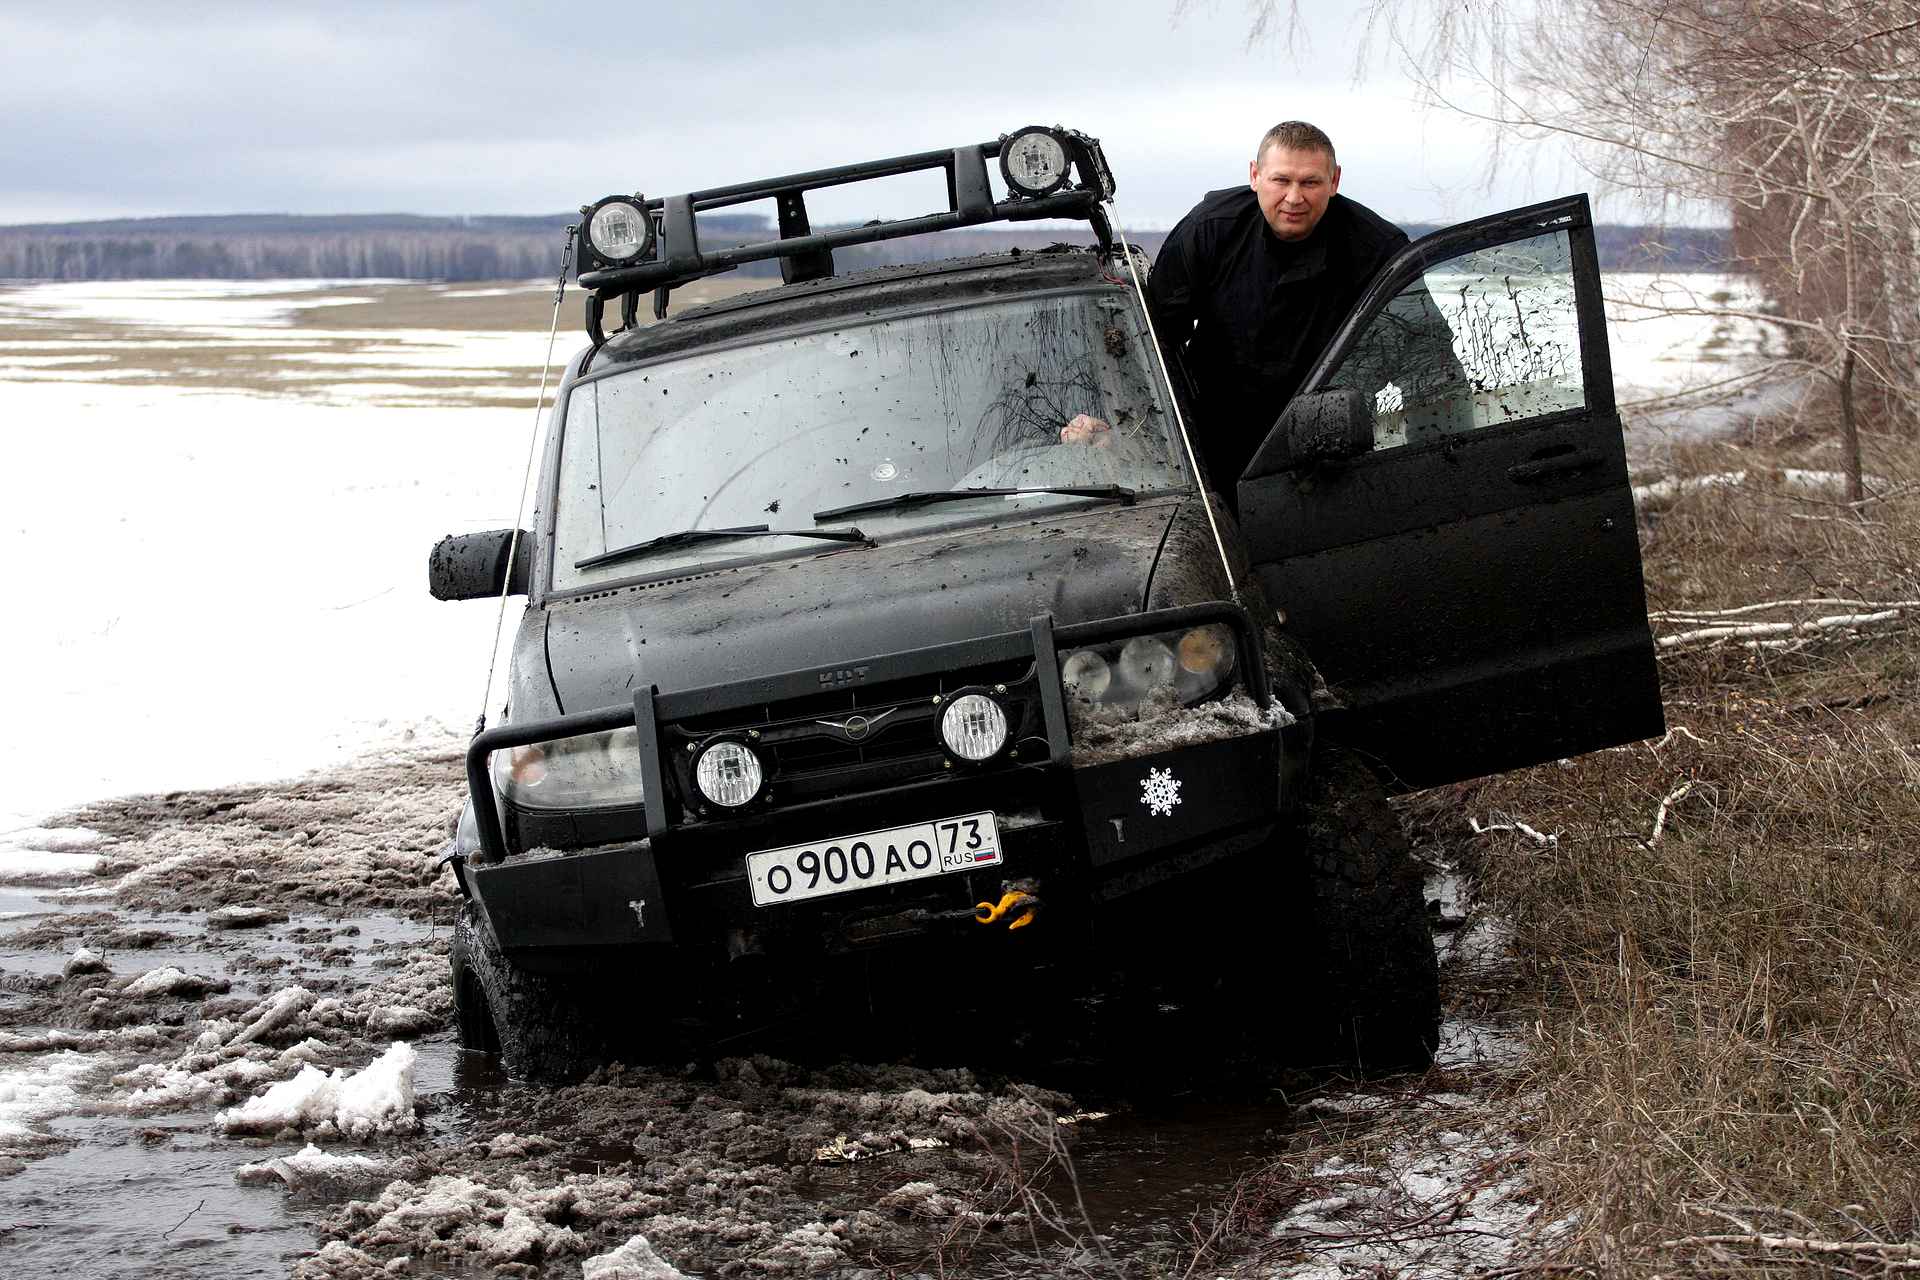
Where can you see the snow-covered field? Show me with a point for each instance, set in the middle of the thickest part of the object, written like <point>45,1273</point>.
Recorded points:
<point>218,506</point>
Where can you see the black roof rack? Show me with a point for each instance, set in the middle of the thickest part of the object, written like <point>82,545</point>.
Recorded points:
<point>808,255</point>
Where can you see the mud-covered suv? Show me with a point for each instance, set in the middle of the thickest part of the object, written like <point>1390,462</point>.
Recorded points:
<point>879,629</point>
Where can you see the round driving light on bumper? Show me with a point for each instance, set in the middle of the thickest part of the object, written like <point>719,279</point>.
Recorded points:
<point>974,727</point>
<point>728,774</point>
<point>1086,674</point>
<point>1034,161</point>
<point>619,230</point>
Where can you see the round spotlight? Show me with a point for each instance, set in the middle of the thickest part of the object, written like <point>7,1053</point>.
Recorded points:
<point>1034,161</point>
<point>619,230</point>
<point>974,727</point>
<point>728,774</point>
<point>1086,675</point>
<point>1146,662</point>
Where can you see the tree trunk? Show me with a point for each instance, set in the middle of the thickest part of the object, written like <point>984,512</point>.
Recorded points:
<point>1849,429</point>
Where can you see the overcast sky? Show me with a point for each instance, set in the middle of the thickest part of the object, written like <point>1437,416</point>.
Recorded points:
<point>116,109</point>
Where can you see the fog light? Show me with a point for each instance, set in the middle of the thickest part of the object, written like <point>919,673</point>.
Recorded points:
<point>728,774</point>
<point>974,727</point>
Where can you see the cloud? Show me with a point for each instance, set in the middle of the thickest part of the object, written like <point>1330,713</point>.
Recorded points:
<point>444,107</point>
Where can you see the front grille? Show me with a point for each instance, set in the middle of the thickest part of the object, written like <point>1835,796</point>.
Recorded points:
<point>809,753</point>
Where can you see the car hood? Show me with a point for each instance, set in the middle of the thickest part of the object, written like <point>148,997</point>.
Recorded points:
<point>845,606</point>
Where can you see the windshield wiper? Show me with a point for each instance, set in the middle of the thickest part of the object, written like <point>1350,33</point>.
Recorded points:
<point>687,537</point>
<point>927,497</point>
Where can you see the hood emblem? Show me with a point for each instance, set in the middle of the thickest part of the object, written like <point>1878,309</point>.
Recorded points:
<point>854,728</point>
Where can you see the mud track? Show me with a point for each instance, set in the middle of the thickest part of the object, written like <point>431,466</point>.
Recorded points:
<point>235,948</point>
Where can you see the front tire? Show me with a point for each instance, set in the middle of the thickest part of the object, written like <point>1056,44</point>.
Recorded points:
<point>533,1022</point>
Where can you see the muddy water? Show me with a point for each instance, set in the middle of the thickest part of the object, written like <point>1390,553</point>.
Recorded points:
<point>110,1191</point>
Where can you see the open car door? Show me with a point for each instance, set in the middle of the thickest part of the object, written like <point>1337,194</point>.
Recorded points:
<point>1459,555</point>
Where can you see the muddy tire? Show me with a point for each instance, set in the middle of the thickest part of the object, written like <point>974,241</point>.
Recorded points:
<point>1378,1006</point>
<point>533,1022</point>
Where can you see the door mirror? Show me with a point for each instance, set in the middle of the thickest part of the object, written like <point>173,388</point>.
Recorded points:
<point>473,566</point>
<point>1322,427</point>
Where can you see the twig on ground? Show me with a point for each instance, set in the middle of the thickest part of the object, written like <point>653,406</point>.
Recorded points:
<point>1683,732</point>
<point>1515,825</point>
<point>183,1222</point>
<point>1752,633</point>
<point>1673,797</point>
<point>1802,1244</point>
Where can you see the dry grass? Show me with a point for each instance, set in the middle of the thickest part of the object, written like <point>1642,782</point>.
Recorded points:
<point>1727,1074</point>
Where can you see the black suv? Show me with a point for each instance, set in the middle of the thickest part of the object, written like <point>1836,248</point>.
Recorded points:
<point>879,625</point>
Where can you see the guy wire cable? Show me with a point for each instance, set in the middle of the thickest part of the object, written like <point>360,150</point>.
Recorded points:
<point>526,477</point>
<point>1160,359</point>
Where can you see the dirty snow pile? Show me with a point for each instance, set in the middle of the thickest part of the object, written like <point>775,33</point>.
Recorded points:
<point>229,1058</point>
<point>35,1091</point>
<point>634,1260</point>
<point>718,1178</point>
<point>49,855</point>
<point>363,837</point>
<point>311,1171</point>
<point>354,1104</point>
<point>1103,732</point>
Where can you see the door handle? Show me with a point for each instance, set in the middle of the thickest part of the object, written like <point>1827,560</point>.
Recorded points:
<point>1541,469</point>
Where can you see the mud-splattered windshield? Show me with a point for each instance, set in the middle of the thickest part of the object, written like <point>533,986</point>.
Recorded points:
<point>770,433</point>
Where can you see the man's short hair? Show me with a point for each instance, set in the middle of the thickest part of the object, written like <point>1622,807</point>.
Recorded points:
<point>1296,135</point>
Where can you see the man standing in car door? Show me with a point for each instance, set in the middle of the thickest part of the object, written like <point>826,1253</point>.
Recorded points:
<point>1251,285</point>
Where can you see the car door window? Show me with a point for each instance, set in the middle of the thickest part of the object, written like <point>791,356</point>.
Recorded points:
<point>1479,340</point>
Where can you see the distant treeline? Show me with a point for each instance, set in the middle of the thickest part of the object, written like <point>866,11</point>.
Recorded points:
<point>410,247</point>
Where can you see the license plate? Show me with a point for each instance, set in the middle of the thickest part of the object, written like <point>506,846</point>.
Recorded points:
<point>889,856</point>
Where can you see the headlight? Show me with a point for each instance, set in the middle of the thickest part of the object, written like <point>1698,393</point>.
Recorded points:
<point>594,770</point>
<point>1146,663</point>
<point>619,230</point>
<point>1086,675</point>
<point>974,727</point>
<point>1203,661</point>
<point>728,774</point>
<point>1196,664</point>
<point>1034,161</point>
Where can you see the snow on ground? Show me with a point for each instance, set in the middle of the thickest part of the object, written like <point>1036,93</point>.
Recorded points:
<point>634,1260</point>
<point>36,1090</point>
<point>180,305</point>
<point>360,1104</point>
<point>1660,347</point>
<point>264,608</point>
<point>1438,1191</point>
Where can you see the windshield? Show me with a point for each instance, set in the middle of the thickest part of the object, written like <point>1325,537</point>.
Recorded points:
<point>770,433</point>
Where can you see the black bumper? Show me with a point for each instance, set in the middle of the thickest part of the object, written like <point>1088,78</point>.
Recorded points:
<point>1088,834</point>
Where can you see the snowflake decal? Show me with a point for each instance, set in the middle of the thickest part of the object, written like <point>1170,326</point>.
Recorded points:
<point>1160,791</point>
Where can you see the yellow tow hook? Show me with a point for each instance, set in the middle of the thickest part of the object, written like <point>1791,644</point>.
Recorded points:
<point>1018,897</point>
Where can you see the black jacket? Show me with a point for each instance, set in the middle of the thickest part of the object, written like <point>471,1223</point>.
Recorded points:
<point>1250,312</point>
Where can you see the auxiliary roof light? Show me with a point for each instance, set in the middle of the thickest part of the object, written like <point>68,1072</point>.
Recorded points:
<point>1034,161</point>
<point>619,230</point>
